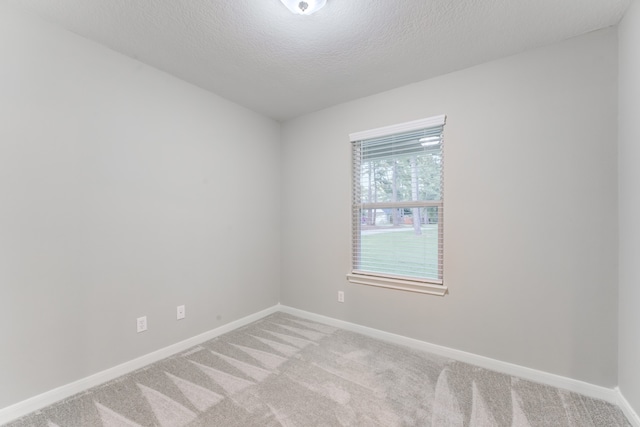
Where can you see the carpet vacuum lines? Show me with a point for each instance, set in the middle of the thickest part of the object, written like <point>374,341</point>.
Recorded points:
<point>283,370</point>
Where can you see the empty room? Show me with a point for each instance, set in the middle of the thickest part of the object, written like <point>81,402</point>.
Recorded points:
<point>319,213</point>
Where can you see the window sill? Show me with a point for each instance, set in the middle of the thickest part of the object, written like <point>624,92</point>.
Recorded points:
<point>403,285</point>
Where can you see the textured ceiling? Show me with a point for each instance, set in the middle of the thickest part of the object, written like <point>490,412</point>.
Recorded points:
<point>260,55</point>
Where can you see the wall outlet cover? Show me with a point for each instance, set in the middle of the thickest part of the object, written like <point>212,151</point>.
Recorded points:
<point>141,323</point>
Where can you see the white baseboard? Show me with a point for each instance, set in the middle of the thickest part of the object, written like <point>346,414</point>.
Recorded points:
<point>40,401</point>
<point>628,411</point>
<point>597,392</point>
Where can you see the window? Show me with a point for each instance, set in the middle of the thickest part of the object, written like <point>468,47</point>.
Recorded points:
<point>397,206</point>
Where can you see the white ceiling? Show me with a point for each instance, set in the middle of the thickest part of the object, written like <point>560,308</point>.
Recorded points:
<point>260,55</point>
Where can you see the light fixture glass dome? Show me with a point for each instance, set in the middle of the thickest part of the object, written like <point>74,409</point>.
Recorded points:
<point>304,7</point>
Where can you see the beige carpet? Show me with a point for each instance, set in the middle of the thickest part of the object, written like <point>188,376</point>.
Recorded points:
<point>287,371</point>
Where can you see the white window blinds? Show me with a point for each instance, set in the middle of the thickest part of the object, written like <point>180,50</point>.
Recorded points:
<point>397,204</point>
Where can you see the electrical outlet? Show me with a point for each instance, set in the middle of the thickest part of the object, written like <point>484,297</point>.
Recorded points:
<point>340,296</point>
<point>142,323</point>
<point>181,312</point>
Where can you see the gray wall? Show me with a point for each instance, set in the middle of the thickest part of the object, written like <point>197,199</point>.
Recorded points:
<point>123,192</point>
<point>530,214</point>
<point>629,211</point>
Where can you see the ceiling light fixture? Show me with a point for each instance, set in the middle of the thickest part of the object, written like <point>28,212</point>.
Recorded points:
<point>304,7</point>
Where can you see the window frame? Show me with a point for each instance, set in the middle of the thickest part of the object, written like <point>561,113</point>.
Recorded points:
<point>412,284</point>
